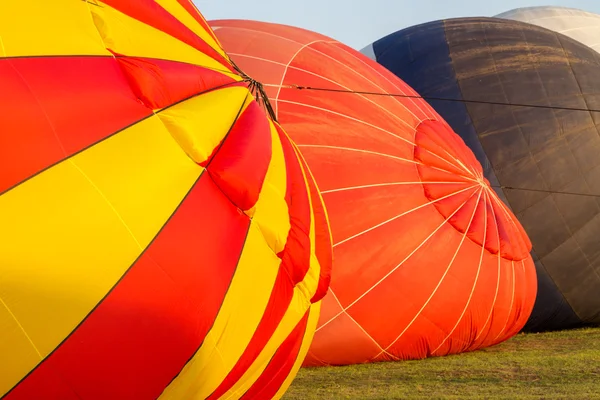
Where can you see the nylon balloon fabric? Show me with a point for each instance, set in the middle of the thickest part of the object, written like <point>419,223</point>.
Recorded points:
<point>543,154</point>
<point>427,260</point>
<point>161,237</point>
<point>577,24</point>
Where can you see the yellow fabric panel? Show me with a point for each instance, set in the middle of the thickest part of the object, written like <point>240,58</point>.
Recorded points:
<point>13,340</point>
<point>57,27</point>
<point>70,233</point>
<point>303,292</point>
<point>237,321</point>
<point>177,10</point>
<point>311,326</point>
<point>143,173</point>
<point>296,310</point>
<point>128,36</point>
<point>310,175</point>
<point>271,213</point>
<point>200,123</point>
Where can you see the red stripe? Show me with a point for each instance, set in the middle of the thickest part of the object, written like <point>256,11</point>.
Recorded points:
<point>144,332</point>
<point>151,13</point>
<point>241,162</point>
<point>270,381</point>
<point>295,263</point>
<point>280,299</point>
<point>296,254</point>
<point>54,388</point>
<point>160,83</point>
<point>323,245</point>
<point>53,107</point>
<point>193,11</point>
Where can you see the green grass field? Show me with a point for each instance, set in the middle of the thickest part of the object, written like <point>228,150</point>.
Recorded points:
<point>557,365</point>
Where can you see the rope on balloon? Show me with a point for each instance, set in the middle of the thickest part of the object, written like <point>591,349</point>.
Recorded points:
<point>546,191</point>
<point>257,89</point>
<point>504,187</point>
<point>416,96</point>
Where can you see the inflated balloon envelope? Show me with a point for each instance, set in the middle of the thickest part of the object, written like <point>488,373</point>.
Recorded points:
<point>526,100</point>
<point>427,259</point>
<point>160,236</point>
<point>577,24</point>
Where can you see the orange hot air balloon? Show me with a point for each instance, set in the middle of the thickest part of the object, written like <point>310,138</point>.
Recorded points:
<point>161,237</point>
<point>427,259</point>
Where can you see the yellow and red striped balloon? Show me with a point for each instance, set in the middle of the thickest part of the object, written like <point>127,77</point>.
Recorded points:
<point>160,237</point>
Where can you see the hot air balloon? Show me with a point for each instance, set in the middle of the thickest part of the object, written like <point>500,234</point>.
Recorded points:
<point>577,24</point>
<point>427,260</point>
<point>161,237</point>
<point>537,152</point>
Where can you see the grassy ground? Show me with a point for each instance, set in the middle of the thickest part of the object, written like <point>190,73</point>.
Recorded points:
<point>558,365</point>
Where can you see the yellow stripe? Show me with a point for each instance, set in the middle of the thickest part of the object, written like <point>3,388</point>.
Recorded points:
<point>70,27</point>
<point>237,321</point>
<point>176,10</point>
<point>57,27</point>
<point>70,233</point>
<point>312,177</point>
<point>13,341</point>
<point>311,326</point>
<point>250,291</point>
<point>303,292</point>
<point>271,212</point>
<point>200,123</point>
<point>128,36</point>
<point>293,315</point>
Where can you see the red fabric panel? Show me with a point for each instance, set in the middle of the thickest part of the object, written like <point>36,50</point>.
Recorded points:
<point>492,241</point>
<point>281,364</point>
<point>148,327</point>
<point>296,254</point>
<point>193,11</point>
<point>160,83</point>
<point>151,13</point>
<point>512,245</point>
<point>323,245</point>
<point>240,164</point>
<point>295,263</point>
<point>279,302</point>
<point>54,107</point>
<point>438,148</point>
<point>432,150</point>
<point>55,388</point>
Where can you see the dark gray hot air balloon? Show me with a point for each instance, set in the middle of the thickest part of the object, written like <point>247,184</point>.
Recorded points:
<point>547,151</point>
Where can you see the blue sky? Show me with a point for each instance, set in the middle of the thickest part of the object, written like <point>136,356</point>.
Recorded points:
<point>360,22</point>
